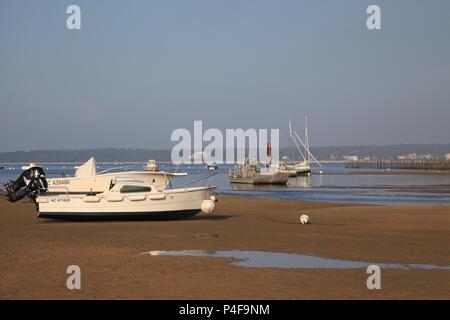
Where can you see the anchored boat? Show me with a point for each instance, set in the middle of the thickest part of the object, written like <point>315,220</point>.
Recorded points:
<point>31,165</point>
<point>284,167</point>
<point>151,166</point>
<point>303,167</point>
<point>212,166</point>
<point>251,173</point>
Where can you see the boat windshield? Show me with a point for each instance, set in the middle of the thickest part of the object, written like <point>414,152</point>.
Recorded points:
<point>130,189</point>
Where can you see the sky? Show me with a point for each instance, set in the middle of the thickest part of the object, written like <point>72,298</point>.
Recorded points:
<point>137,70</point>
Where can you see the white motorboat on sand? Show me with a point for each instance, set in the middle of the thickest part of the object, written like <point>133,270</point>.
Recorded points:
<point>124,198</point>
<point>128,200</point>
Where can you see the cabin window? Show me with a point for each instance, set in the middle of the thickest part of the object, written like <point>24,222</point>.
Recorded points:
<point>129,189</point>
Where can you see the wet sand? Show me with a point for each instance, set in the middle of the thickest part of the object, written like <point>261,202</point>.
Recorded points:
<point>438,189</point>
<point>393,172</point>
<point>34,254</point>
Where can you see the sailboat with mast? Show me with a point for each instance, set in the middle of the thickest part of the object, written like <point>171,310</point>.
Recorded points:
<point>304,166</point>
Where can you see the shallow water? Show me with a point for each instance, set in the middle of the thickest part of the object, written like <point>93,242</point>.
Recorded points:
<point>337,184</point>
<point>262,259</point>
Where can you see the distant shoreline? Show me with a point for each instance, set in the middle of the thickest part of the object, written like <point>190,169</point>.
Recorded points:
<point>328,154</point>
<point>127,162</point>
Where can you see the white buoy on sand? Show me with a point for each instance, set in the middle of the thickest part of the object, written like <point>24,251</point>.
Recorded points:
<point>304,219</point>
<point>208,206</point>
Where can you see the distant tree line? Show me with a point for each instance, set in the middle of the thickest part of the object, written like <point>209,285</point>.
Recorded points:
<point>141,155</point>
<point>100,155</point>
<point>379,152</point>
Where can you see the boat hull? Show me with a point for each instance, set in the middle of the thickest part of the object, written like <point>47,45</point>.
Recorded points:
<point>303,172</point>
<point>302,169</point>
<point>277,178</point>
<point>290,172</point>
<point>82,216</point>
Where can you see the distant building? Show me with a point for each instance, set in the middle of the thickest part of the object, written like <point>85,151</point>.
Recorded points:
<point>367,158</point>
<point>350,158</point>
<point>427,156</point>
<point>447,156</point>
<point>411,156</point>
<point>415,156</point>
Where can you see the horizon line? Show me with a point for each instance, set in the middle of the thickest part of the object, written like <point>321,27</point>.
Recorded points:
<point>281,147</point>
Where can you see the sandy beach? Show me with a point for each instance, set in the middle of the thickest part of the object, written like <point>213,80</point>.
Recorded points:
<point>34,254</point>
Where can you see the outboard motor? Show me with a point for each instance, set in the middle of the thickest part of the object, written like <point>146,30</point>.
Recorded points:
<point>29,183</point>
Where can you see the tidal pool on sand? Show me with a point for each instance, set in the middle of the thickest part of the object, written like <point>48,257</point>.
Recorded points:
<point>262,259</point>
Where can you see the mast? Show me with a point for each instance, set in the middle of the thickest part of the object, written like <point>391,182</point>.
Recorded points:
<point>304,146</point>
<point>307,141</point>
<point>269,154</point>
<point>292,145</point>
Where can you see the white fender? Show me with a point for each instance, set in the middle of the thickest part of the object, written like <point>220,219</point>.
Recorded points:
<point>208,206</point>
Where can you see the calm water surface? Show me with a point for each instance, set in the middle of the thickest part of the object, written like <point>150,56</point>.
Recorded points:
<point>263,259</point>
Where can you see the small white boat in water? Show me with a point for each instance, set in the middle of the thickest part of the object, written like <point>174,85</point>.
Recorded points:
<point>251,173</point>
<point>151,166</point>
<point>303,167</point>
<point>212,166</point>
<point>285,168</point>
<point>26,167</point>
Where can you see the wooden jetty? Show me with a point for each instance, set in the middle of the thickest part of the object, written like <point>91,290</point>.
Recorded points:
<point>428,164</point>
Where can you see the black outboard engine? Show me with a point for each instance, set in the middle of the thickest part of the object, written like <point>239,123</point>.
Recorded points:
<point>29,183</point>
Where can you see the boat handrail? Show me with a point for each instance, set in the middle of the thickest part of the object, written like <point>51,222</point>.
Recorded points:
<point>127,179</point>
<point>60,187</point>
<point>115,168</point>
<point>200,179</point>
